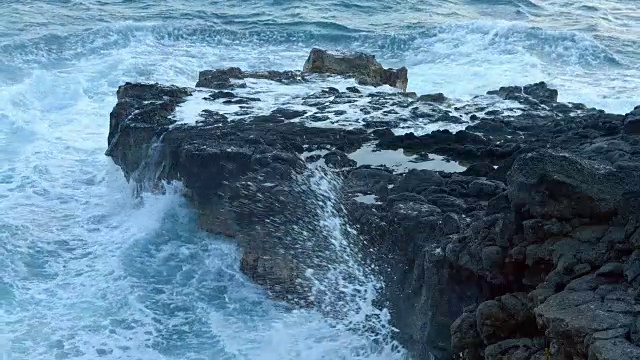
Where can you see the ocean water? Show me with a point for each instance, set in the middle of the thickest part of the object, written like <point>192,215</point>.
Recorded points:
<point>87,271</point>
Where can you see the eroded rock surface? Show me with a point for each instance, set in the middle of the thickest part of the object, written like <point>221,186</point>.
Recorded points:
<point>364,67</point>
<point>528,244</point>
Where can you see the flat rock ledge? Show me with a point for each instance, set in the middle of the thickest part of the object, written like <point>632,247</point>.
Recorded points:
<point>503,227</point>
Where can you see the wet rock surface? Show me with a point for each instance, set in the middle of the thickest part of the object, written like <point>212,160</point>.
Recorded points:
<point>529,244</point>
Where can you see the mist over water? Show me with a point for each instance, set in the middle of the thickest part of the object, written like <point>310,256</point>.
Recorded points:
<point>88,271</point>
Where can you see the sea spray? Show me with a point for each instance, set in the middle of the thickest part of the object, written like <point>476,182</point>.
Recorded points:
<point>345,285</point>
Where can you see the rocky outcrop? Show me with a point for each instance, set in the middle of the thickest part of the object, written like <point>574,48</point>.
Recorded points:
<point>568,243</point>
<point>363,67</point>
<point>551,185</point>
<point>531,247</point>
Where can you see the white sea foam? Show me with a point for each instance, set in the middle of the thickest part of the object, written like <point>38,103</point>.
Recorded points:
<point>89,272</point>
<point>346,113</point>
<point>86,272</point>
<point>469,58</point>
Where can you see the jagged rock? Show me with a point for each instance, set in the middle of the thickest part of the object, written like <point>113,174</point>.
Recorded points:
<point>561,186</point>
<point>447,203</point>
<point>481,169</point>
<point>614,234</point>
<point>539,92</point>
<point>338,159</point>
<point>408,197</point>
<point>499,204</point>
<point>288,114</point>
<point>224,78</point>
<point>369,180</point>
<point>632,267</point>
<point>635,332</point>
<point>417,181</point>
<point>611,269</point>
<point>606,335</point>
<point>505,317</point>
<point>353,89</point>
<point>220,95</point>
<point>589,233</point>
<point>486,189</point>
<point>362,66</point>
<point>571,316</point>
<point>134,126</point>
<point>514,349</point>
<point>632,122</point>
<point>450,223</point>
<point>436,98</point>
<point>618,349</point>
<point>492,257</point>
<point>465,339</point>
<point>587,282</point>
<point>581,269</point>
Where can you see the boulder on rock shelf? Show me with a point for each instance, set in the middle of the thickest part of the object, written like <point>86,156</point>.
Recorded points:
<point>363,67</point>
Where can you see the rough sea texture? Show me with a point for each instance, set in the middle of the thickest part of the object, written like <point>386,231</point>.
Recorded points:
<point>87,271</point>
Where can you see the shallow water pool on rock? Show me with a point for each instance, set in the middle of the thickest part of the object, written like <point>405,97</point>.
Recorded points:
<point>399,161</point>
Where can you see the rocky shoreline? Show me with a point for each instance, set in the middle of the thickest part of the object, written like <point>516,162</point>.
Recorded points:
<point>502,226</point>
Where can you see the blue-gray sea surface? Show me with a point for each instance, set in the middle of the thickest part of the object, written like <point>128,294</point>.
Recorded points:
<point>87,271</point>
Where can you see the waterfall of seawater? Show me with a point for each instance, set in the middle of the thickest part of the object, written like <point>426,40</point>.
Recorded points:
<point>147,177</point>
<point>344,286</point>
<point>347,286</point>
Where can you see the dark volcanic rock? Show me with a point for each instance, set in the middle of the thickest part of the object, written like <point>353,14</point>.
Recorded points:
<point>230,78</point>
<point>437,98</point>
<point>535,248</point>
<point>539,93</point>
<point>562,186</point>
<point>506,317</point>
<point>479,169</point>
<point>137,125</point>
<point>572,316</point>
<point>632,122</point>
<point>609,349</point>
